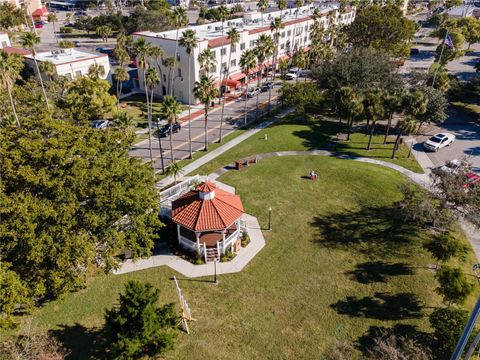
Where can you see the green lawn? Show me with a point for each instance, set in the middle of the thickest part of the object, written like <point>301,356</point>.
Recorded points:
<point>336,263</point>
<point>291,134</point>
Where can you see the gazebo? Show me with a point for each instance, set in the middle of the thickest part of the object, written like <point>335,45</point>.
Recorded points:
<point>208,220</point>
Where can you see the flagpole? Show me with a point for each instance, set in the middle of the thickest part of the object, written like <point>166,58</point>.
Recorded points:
<point>440,59</point>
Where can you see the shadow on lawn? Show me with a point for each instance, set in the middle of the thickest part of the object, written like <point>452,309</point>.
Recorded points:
<point>381,306</point>
<point>82,343</point>
<point>318,136</point>
<point>379,271</point>
<point>373,231</point>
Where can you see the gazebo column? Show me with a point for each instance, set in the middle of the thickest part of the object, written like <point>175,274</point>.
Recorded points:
<point>223,242</point>
<point>178,233</point>
<point>197,235</point>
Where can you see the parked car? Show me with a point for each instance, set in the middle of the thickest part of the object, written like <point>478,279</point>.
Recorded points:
<point>450,167</point>
<point>438,141</point>
<point>40,22</point>
<point>267,86</point>
<point>100,124</point>
<point>38,26</point>
<point>414,51</point>
<point>290,76</point>
<point>304,73</point>
<point>293,70</point>
<point>252,92</point>
<point>165,130</point>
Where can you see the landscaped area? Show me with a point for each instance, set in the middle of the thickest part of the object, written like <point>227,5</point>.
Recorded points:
<point>336,264</point>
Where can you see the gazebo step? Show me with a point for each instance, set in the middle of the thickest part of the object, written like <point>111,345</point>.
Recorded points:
<point>212,254</point>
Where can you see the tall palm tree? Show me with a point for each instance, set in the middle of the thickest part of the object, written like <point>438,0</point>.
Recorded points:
<point>234,37</point>
<point>121,75</point>
<point>275,26</point>
<point>205,91</point>
<point>152,80</point>
<point>10,67</point>
<point>298,4</point>
<point>52,18</point>
<point>124,122</point>
<point>262,5</point>
<point>141,49</point>
<point>374,110</point>
<point>48,68</point>
<point>29,40</point>
<point>189,41</point>
<point>206,60</point>
<point>352,104</point>
<point>170,108</point>
<point>157,53</point>
<point>96,71</point>
<point>247,63</point>
<point>393,104</point>
<point>179,19</point>
<point>405,126</point>
<point>169,62</point>
<point>263,50</point>
<point>299,59</point>
<point>174,169</point>
<point>104,32</point>
<point>223,15</point>
<point>282,5</point>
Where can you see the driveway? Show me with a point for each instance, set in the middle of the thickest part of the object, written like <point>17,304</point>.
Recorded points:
<point>466,145</point>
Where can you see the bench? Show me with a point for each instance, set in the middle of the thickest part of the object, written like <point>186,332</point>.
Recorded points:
<point>239,164</point>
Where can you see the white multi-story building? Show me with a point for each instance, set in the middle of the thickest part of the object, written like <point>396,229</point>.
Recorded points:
<point>294,35</point>
<point>71,63</point>
<point>4,40</point>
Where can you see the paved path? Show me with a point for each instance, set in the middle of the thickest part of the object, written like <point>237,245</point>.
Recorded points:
<point>186,268</point>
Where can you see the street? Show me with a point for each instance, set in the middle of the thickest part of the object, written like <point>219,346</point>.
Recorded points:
<point>233,115</point>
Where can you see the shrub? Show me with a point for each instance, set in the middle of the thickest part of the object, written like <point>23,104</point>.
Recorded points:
<point>448,324</point>
<point>66,30</point>
<point>227,256</point>
<point>454,286</point>
<point>245,239</point>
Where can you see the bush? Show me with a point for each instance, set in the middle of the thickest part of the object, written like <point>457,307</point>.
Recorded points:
<point>454,286</point>
<point>227,256</point>
<point>245,239</point>
<point>66,30</point>
<point>66,44</point>
<point>448,324</point>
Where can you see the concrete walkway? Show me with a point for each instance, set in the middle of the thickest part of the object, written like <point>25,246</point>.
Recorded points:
<point>186,268</point>
<point>220,150</point>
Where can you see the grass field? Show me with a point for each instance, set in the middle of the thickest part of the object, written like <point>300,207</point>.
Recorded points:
<point>336,264</point>
<point>289,134</point>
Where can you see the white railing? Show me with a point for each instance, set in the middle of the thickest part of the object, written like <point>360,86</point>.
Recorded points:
<point>178,190</point>
<point>188,244</point>
<point>204,252</point>
<point>229,240</point>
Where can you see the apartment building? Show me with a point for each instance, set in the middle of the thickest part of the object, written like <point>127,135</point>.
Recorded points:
<point>70,63</point>
<point>295,35</point>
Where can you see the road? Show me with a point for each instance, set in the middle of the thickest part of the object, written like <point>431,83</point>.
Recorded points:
<point>234,110</point>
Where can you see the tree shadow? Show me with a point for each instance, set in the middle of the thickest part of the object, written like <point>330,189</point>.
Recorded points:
<point>81,342</point>
<point>381,306</point>
<point>374,231</point>
<point>319,135</point>
<point>366,341</point>
<point>379,271</point>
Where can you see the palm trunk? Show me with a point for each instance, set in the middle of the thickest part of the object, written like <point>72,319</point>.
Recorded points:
<point>349,131</point>
<point>206,122</point>
<point>174,63</point>
<point>160,72</point>
<point>220,72</point>
<point>190,111</point>
<point>388,129</point>
<point>224,97</point>
<point>258,93</point>
<point>397,143</point>
<point>149,119</point>
<point>171,143</point>
<point>246,100</point>
<point>41,80</point>
<point>161,152</point>
<point>270,89</point>
<point>371,135</point>
<point>9,90</point>
<point>118,95</point>
<point>55,31</point>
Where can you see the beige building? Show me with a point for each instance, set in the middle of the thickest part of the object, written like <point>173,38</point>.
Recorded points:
<point>30,5</point>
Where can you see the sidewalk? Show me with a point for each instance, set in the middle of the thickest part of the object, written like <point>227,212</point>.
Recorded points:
<point>220,150</point>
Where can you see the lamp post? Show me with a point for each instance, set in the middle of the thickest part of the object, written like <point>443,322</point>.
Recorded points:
<point>215,281</point>
<point>269,219</point>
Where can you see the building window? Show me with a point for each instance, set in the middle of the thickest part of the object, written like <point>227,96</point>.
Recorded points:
<point>224,66</point>
<point>223,51</point>
<point>233,63</point>
<point>179,72</point>
<point>252,43</point>
<point>164,78</point>
<point>282,46</point>
<point>4,44</point>
<point>178,57</point>
<point>68,76</point>
<point>305,39</point>
<point>213,69</point>
<point>233,48</point>
<point>214,53</point>
<point>282,34</point>
<point>78,73</point>
<point>306,28</point>
<point>242,46</point>
<point>289,32</point>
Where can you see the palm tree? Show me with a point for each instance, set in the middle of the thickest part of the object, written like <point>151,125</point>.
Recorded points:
<point>205,91</point>
<point>157,53</point>
<point>352,105</point>
<point>374,110</point>
<point>124,122</point>
<point>275,26</point>
<point>169,62</point>
<point>48,68</point>
<point>180,19</point>
<point>234,37</point>
<point>262,5</point>
<point>298,4</point>
<point>282,5</point>
<point>206,60</point>
<point>264,50</point>
<point>247,63</point>
<point>29,40</point>
<point>104,32</point>
<point>189,41</point>
<point>141,49</point>
<point>152,80</point>
<point>223,15</point>
<point>299,59</point>
<point>283,66</point>
<point>406,126</point>
<point>96,71</point>
<point>170,108</point>
<point>393,104</point>
<point>121,75</point>
<point>174,169</point>
<point>52,18</point>
<point>10,67</point>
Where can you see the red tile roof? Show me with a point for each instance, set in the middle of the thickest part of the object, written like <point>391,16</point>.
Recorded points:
<point>220,41</point>
<point>13,50</point>
<point>40,12</point>
<point>196,214</point>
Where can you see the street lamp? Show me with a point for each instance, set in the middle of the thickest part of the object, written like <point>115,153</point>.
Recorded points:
<point>269,219</point>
